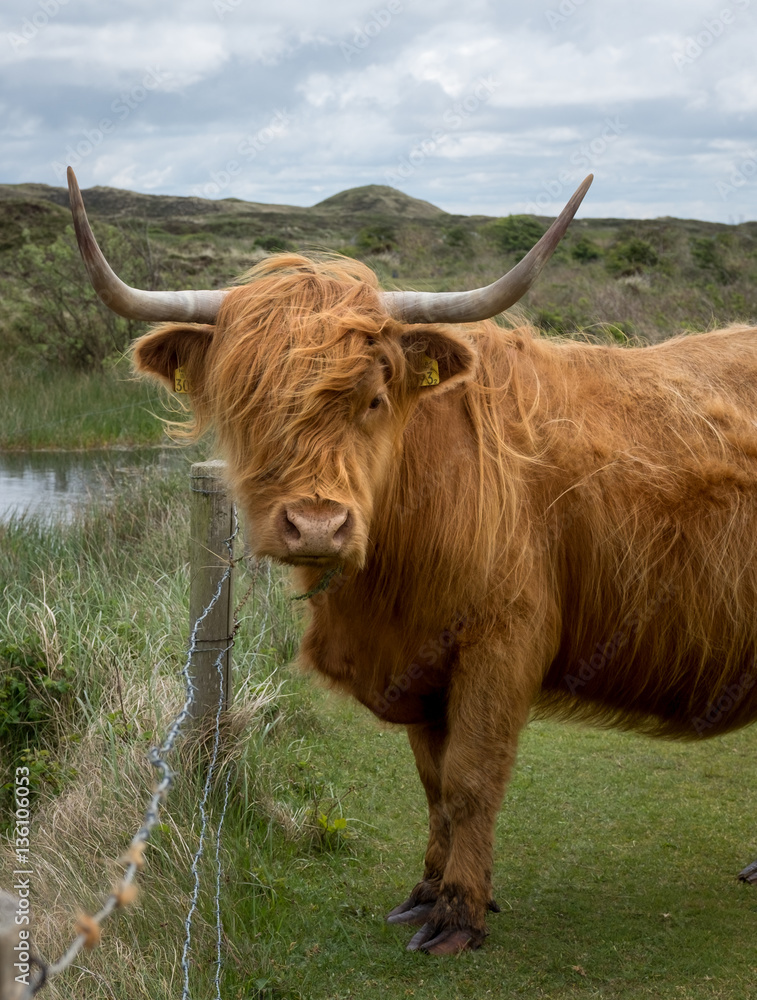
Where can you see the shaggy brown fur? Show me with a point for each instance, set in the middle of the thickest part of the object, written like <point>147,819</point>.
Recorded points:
<point>558,526</point>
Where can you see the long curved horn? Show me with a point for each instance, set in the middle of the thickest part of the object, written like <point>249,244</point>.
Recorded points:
<point>134,303</point>
<point>481,303</point>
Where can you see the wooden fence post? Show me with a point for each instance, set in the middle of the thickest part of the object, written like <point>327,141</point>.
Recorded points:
<point>211,525</point>
<point>9,939</point>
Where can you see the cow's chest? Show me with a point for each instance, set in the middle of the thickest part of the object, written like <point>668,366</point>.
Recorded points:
<point>400,676</point>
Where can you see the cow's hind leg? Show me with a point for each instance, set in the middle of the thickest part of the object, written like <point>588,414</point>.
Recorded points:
<point>427,742</point>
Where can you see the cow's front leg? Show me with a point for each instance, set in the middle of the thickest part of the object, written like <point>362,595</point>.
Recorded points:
<point>487,707</point>
<point>427,742</point>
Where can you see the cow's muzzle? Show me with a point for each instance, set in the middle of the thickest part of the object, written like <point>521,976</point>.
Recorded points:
<point>316,531</point>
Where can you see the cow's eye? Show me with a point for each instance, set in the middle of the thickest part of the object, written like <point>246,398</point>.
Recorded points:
<point>375,403</point>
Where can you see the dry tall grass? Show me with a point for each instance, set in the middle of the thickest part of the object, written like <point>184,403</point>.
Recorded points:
<point>95,618</point>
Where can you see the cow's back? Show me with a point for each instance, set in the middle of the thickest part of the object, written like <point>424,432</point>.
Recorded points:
<point>652,534</point>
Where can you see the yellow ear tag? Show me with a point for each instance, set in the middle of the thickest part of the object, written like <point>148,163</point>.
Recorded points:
<point>431,374</point>
<point>180,381</point>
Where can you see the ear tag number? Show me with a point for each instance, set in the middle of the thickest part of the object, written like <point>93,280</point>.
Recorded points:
<point>431,374</point>
<point>180,381</point>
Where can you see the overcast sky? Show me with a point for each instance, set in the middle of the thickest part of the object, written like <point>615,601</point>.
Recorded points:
<point>478,106</point>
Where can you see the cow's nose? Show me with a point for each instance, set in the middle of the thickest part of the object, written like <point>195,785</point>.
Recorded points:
<point>316,531</point>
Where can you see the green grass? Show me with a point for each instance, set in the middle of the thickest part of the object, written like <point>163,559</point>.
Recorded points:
<point>62,409</point>
<point>615,856</point>
<point>614,870</point>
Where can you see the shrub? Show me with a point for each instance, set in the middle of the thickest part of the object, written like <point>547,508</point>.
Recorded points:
<point>709,254</point>
<point>25,221</point>
<point>58,318</point>
<point>273,244</point>
<point>457,236</point>
<point>585,250</point>
<point>630,257</point>
<point>379,238</point>
<point>515,233</point>
<point>553,321</point>
<point>32,696</point>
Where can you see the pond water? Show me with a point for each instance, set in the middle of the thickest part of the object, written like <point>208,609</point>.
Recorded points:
<point>51,485</point>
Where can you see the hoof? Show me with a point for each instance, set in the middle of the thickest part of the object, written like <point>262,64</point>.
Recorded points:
<point>445,942</point>
<point>418,905</point>
<point>749,874</point>
<point>406,913</point>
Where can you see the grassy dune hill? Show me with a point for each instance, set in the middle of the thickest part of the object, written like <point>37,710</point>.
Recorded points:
<point>647,279</point>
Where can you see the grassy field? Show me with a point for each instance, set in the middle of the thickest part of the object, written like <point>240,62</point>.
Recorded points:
<point>615,857</point>
<point>75,410</point>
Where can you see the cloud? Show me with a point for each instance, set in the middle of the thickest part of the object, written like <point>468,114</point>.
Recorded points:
<point>386,92</point>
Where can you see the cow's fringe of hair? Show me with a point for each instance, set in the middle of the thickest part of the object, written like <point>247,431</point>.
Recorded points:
<point>298,326</point>
<point>263,318</point>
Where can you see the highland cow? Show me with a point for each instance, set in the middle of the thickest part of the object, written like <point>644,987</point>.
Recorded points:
<point>519,524</point>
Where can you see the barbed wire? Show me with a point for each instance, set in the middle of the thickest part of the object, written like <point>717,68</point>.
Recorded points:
<point>219,873</point>
<point>89,926</point>
<point>229,543</point>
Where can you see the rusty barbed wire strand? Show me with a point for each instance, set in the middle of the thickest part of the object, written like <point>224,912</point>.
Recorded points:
<point>89,926</point>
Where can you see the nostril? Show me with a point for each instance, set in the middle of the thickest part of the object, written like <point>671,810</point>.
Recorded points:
<point>344,530</point>
<point>289,529</point>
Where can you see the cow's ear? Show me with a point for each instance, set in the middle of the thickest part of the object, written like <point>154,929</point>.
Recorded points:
<point>174,346</point>
<point>438,358</point>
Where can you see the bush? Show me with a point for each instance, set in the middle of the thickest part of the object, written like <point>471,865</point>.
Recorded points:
<point>515,233</point>
<point>630,257</point>
<point>21,221</point>
<point>709,254</point>
<point>585,250</point>
<point>379,238</point>
<point>273,244</point>
<point>32,696</point>
<point>457,236</point>
<point>57,317</point>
